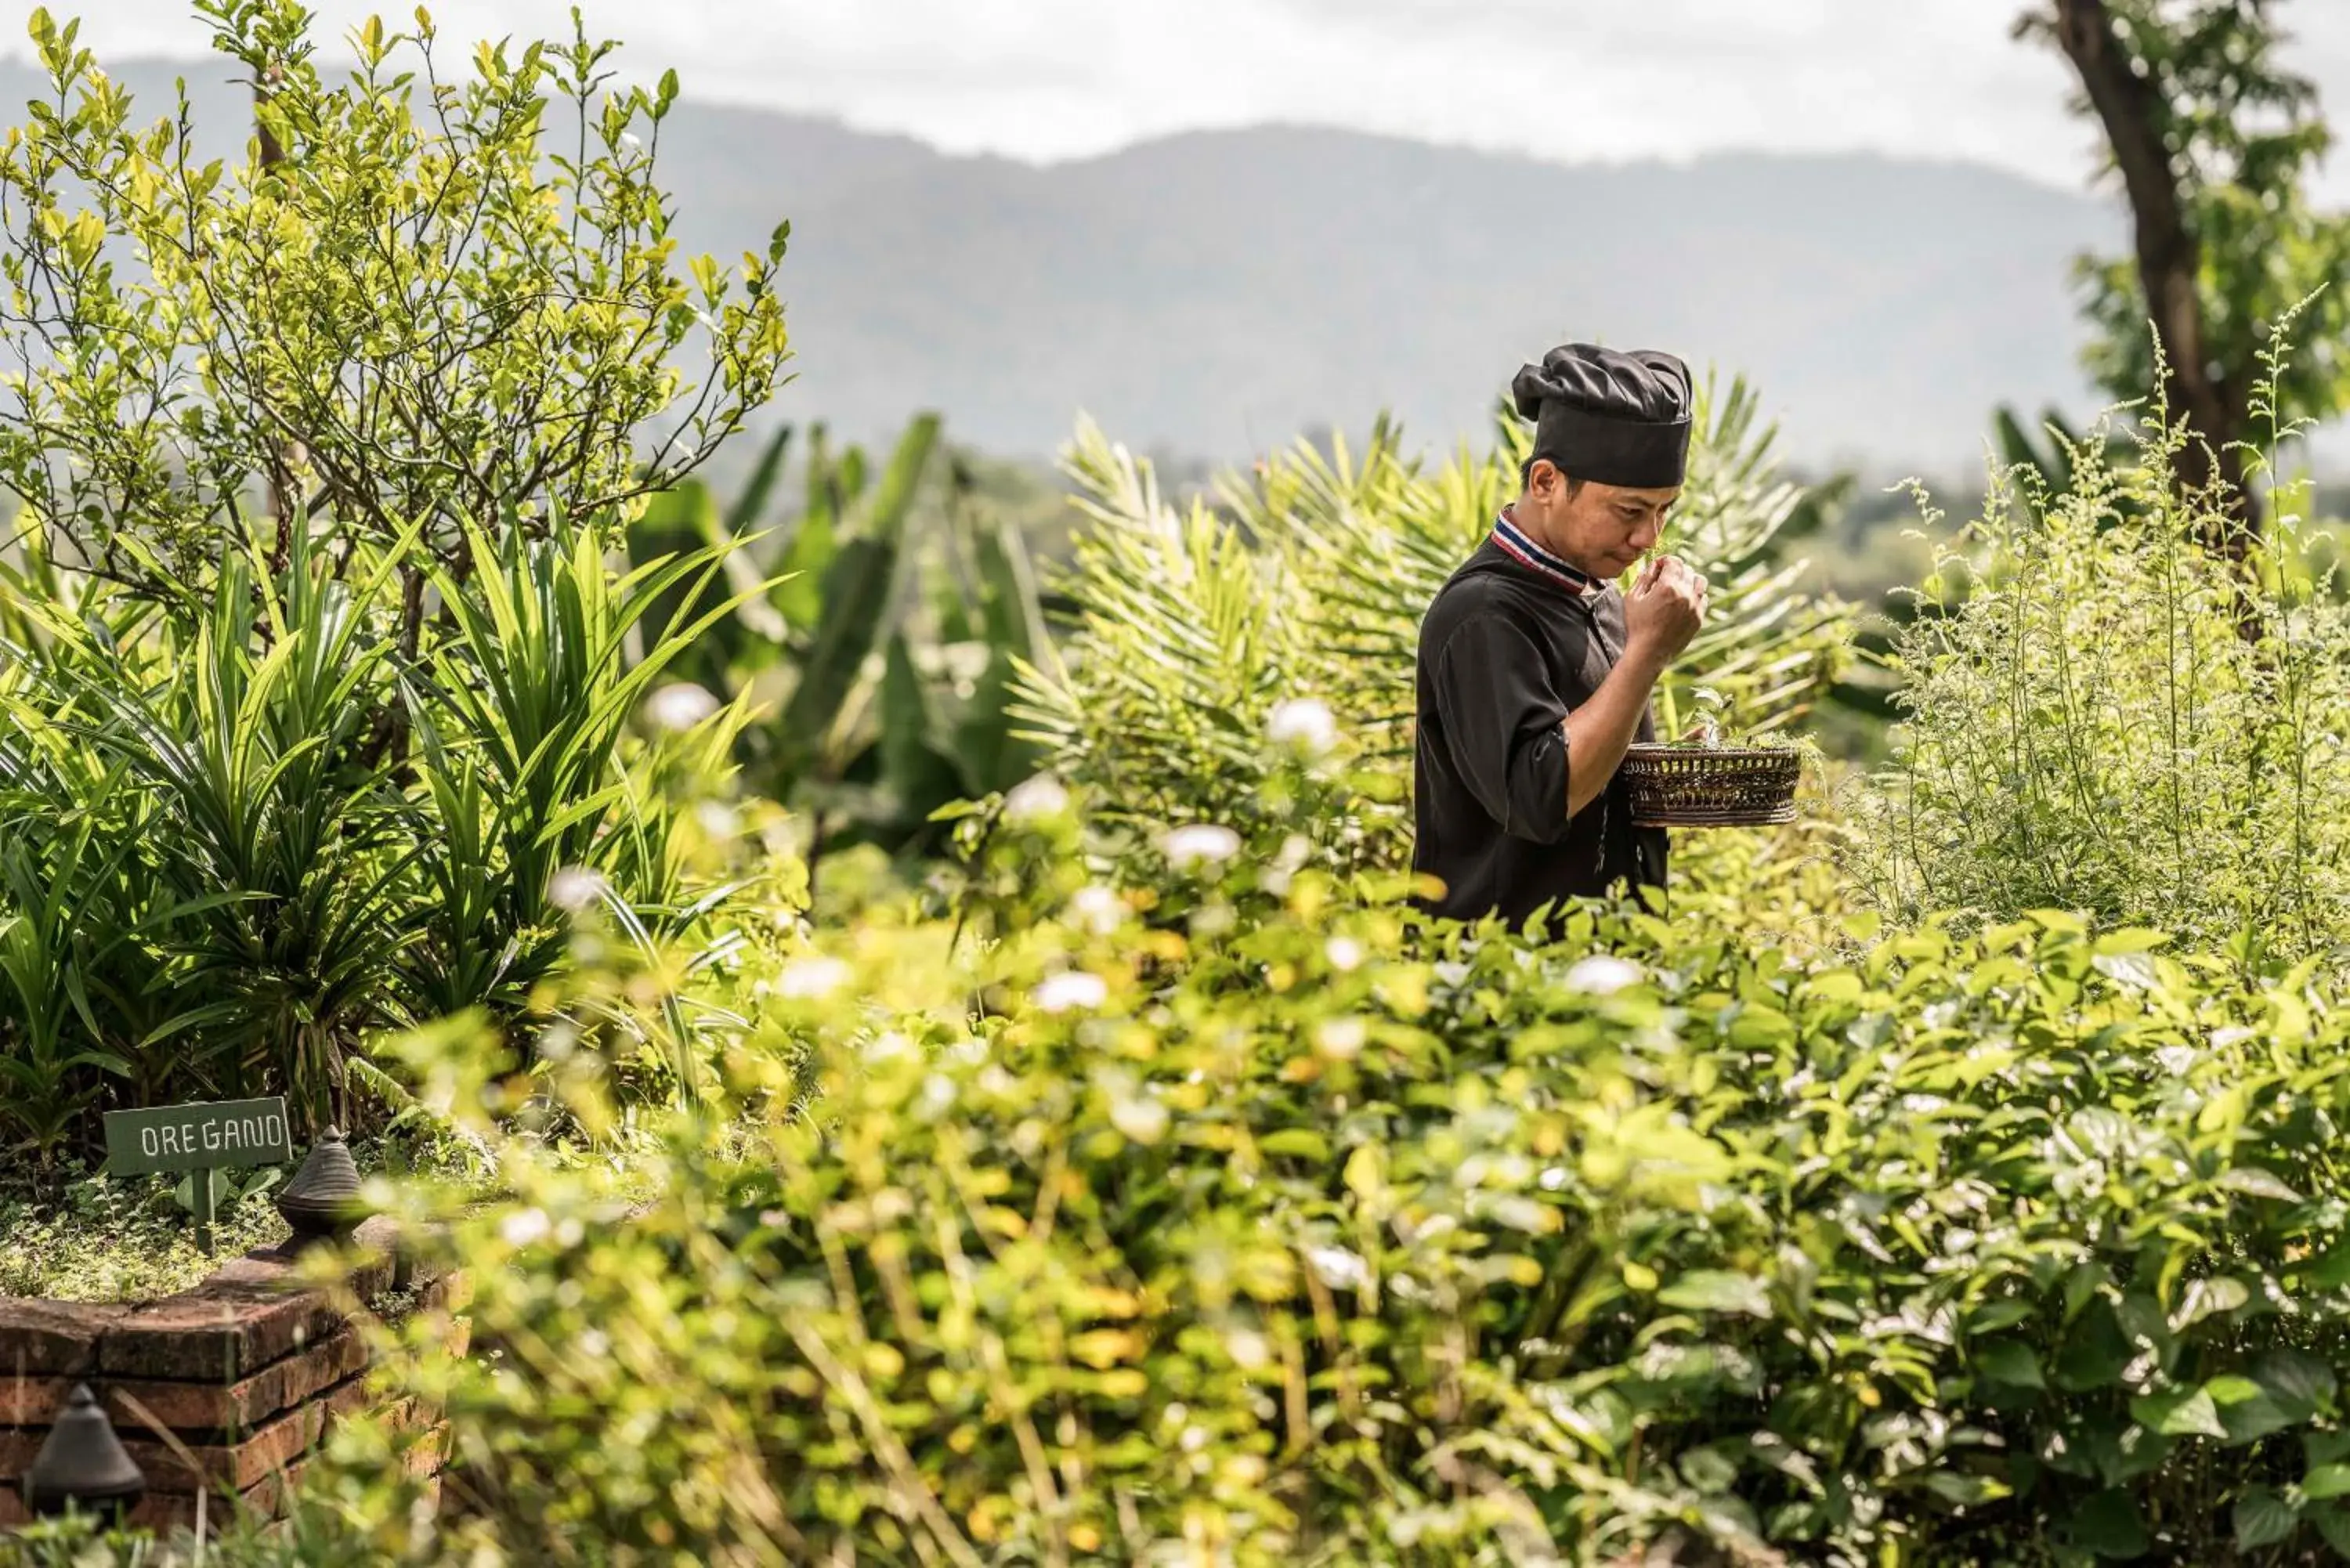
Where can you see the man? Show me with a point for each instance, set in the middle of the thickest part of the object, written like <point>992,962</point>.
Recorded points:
<point>1535,670</point>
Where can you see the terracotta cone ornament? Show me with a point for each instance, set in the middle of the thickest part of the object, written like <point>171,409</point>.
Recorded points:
<point>82,1463</point>
<point>323,1198</point>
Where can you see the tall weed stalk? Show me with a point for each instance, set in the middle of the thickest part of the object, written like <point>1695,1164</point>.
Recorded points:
<point>2102,714</point>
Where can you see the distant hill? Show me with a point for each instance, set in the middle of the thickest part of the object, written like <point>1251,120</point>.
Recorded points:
<point>1215,293</point>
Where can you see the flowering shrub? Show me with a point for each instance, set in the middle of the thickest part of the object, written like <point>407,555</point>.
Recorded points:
<point>1235,1215</point>
<point>2102,714</point>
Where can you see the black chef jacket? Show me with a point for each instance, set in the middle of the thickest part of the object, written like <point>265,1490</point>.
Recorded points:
<point>1506,649</point>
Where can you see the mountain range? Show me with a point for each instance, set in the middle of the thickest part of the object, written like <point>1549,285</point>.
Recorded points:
<point>1216,292</point>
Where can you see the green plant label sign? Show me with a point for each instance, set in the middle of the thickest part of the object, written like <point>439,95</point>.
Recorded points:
<point>197,1138</point>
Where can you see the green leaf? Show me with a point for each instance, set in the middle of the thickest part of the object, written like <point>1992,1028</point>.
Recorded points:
<point>2333,1524</point>
<point>2108,1525</point>
<point>2299,1382</point>
<point>2330,1270</point>
<point>2327,1480</point>
<point>1302,1141</point>
<point>2249,1420</point>
<point>2000,1315</point>
<point>2181,1413</point>
<point>2230,1388</point>
<point>1014,614</point>
<point>1718,1290</point>
<point>1962,1490</point>
<point>2262,1518</point>
<point>2253,1180</point>
<point>799,598</point>
<point>750,502</point>
<point>855,601</point>
<point>2095,1352</point>
<point>992,755</point>
<point>2204,1297</point>
<point>2133,970</point>
<point>2012,1361</point>
<point>906,755</point>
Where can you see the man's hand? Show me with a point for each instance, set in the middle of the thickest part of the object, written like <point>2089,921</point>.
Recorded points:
<point>1663,611</point>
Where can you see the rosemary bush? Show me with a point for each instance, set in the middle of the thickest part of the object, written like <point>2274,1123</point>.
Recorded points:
<point>2102,714</point>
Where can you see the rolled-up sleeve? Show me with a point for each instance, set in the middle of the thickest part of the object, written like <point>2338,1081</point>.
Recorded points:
<point>1501,724</point>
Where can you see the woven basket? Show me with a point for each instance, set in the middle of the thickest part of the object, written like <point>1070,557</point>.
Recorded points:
<point>1712,786</point>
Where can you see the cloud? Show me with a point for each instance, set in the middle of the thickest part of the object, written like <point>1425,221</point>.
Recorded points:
<point>1045,79</point>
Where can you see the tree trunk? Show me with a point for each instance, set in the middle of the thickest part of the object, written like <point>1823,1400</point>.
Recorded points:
<point>2169,257</point>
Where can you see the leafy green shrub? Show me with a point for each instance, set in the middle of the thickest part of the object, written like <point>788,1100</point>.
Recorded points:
<point>414,302</point>
<point>2087,724</point>
<point>214,887</point>
<point>317,701</point>
<point>1229,1211</point>
<point>880,654</point>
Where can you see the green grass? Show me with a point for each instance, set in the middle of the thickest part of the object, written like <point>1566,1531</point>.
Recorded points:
<point>119,1240</point>
<point>84,1236</point>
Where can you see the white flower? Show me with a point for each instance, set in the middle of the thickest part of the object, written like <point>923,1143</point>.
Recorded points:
<point>1071,990</point>
<point>680,706</point>
<point>524,1226</point>
<point>1097,910</point>
<point>887,1046</point>
<point>1036,799</point>
<point>1602,973</point>
<point>1337,1268</point>
<point>573,888</point>
<point>1344,953</point>
<point>1200,841</point>
<point>1340,1038</point>
<point>817,974</point>
<point>1141,1118</point>
<point>1303,724</point>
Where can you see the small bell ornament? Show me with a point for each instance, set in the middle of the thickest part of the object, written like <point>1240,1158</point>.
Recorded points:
<point>323,1198</point>
<point>83,1464</point>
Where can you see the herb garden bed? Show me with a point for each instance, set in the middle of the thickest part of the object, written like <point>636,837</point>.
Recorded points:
<point>225,1387</point>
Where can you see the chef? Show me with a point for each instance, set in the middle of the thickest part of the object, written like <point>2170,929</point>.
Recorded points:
<point>1535,668</point>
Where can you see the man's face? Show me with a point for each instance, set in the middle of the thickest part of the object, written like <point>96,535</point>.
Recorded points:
<point>1602,528</point>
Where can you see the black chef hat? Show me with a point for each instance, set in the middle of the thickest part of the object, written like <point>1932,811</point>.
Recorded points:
<point>1610,417</point>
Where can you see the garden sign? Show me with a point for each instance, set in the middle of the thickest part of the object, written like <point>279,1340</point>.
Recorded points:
<point>201,1138</point>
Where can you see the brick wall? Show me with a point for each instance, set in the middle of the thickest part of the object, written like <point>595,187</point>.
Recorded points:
<point>245,1373</point>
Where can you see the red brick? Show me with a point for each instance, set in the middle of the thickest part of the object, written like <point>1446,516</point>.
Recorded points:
<point>45,1336</point>
<point>241,1464</point>
<point>31,1401</point>
<point>224,1331</point>
<point>17,1446</point>
<point>232,1408</point>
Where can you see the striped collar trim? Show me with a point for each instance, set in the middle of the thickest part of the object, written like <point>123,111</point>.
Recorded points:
<point>1515,544</point>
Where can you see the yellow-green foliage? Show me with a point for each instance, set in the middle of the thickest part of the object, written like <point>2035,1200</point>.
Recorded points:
<point>2101,713</point>
<point>1217,1213</point>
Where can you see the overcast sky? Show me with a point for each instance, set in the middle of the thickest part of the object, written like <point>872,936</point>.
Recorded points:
<point>1569,79</point>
